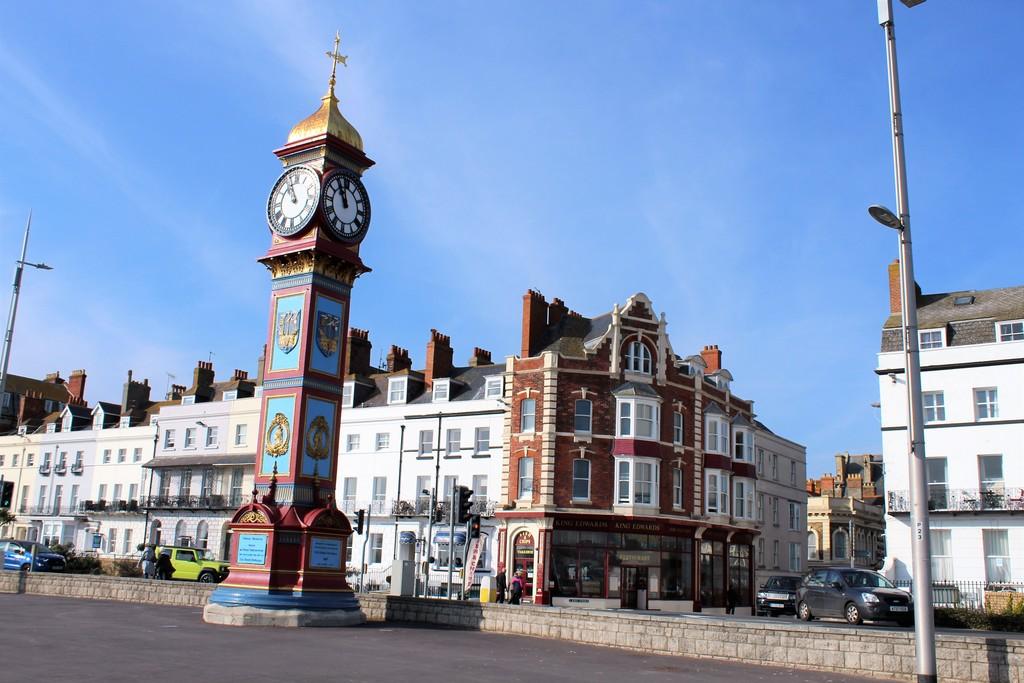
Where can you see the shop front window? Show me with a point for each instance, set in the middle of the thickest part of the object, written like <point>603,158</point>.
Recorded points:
<point>739,574</point>
<point>712,574</point>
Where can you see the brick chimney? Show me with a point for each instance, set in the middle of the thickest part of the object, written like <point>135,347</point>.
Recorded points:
<point>135,395</point>
<point>31,408</point>
<point>359,352</point>
<point>712,357</point>
<point>239,375</point>
<point>176,392</point>
<point>535,320</point>
<point>439,357</point>
<point>76,387</point>
<point>54,378</point>
<point>202,381</point>
<point>895,299</point>
<point>479,357</point>
<point>259,365</point>
<point>398,359</point>
<point>556,311</point>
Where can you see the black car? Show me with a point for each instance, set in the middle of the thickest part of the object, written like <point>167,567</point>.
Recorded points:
<point>778,596</point>
<point>853,594</point>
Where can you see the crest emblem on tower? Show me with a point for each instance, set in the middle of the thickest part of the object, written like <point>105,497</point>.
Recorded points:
<point>288,324</point>
<point>328,331</point>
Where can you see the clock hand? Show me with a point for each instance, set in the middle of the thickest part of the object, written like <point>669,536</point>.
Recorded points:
<point>291,188</point>
<point>344,199</point>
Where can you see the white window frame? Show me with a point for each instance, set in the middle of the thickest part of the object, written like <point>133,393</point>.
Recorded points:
<point>677,488</point>
<point>1011,334</point>
<point>398,388</point>
<point>441,391</point>
<point>426,446</point>
<point>211,440</point>
<point>231,395</point>
<point>812,551</point>
<point>943,566</point>
<point>241,434</point>
<point>794,516</point>
<point>122,455</point>
<point>106,456</point>
<point>932,342</point>
<point>525,491</point>
<point>639,358</point>
<point>126,421</point>
<point>743,445</point>
<point>576,477</point>
<point>348,392</point>
<point>934,403</point>
<point>678,428</point>
<point>716,430</point>
<point>631,422</point>
<point>716,491</point>
<point>482,441</point>
<point>628,491</point>
<point>351,443</point>
<point>190,438</point>
<point>527,415</point>
<point>743,498</point>
<point>375,553</point>
<point>479,488</point>
<point>97,420</point>
<point>168,439</point>
<point>990,404</point>
<point>991,484</point>
<point>453,437</point>
<point>381,441</point>
<point>136,455</point>
<point>494,387</point>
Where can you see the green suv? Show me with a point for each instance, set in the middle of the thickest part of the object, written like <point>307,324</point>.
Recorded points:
<point>194,564</point>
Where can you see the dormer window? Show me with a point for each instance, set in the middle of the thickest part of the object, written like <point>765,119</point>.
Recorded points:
<point>1012,330</point>
<point>347,395</point>
<point>97,420</point>
<point>188,400</point>
<point>638,358</point>
<point>66,424</point>
<point>716,431</point>
<point>397,389</point>
<point>441,389</point>
<point>51,428</point>
<point>231,395</point>
<point>932,339</point>
<point>494,387</point>
<point>126,421</point>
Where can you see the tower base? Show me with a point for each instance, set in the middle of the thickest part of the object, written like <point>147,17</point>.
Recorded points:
<point>247,607</point>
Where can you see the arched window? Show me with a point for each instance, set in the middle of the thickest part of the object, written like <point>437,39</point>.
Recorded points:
<point>202,535</point>
<point>638,358</point>
<point>179,533</point>
<point>812,545</point>
<point>839,543</point>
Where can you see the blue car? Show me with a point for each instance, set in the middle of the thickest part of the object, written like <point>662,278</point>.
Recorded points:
<point>30,556</point>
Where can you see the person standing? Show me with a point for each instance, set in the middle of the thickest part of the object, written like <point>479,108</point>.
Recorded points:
<point>517,588</point>
<point>148,561</point>
<point>500,583</point>
<point>164,568</point>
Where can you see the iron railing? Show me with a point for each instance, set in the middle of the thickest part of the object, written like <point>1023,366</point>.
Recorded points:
<point>104,505</point>
<point>60,468</point>
<point>968,594</point>
<point>421,508</point>
<point>961,500</point>
<point>212,502</point>
<point>44,469</point>
<point>77,468</point>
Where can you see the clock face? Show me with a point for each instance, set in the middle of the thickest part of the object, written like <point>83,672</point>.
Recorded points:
<point>293,200</point>
<point>346,206</point>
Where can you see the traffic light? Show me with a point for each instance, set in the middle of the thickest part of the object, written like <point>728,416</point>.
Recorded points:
<point>463,504</point>
<point>6,494</point>
<point>360,519</point>
<point>474,526</point>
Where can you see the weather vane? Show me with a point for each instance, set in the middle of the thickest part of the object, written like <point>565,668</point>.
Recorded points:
<point>336,58</point>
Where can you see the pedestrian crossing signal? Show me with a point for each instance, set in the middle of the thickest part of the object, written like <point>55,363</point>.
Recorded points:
<point>6,493</point>
<point>474,526</point>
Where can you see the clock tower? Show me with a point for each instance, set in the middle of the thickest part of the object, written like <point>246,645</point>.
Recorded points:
<point>288,543</point>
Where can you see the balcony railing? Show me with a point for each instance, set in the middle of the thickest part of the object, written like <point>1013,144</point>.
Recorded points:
<point>421,508</point>
<point>962,500</point>
<point>77,468</point>
<point>44,469</point>
<point>60,468</point>
<point>110,506</point>
<point>211,502</point>
<point>51,509</point>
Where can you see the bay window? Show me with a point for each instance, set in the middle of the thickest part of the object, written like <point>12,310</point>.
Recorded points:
<point>637,481</point>
<point>638,419</point>
<point>717,430</point>
<point>743,445</point>
<point>716,491</point>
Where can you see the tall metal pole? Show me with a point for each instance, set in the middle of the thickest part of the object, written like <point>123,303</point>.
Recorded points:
<point>924,627</point>
<point>398,491</point>
<point>451,538</point>
<point>433,505</point>
<point>9,335</point>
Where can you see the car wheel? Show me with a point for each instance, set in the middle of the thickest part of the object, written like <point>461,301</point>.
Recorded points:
<point>207,577</point>
<point>853,614</point>
<point>804,612</point>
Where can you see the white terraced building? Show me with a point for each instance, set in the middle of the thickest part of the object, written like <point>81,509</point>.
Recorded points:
<point>972,376</point>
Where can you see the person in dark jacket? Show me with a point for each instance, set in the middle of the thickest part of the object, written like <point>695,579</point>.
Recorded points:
<point>164,568</point>
<point>500,583</point>
<point>517,587</point>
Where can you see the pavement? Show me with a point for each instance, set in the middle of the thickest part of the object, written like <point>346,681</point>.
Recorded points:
<point>62,639</point>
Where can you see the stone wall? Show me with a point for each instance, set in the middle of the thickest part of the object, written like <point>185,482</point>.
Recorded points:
<point>873,652</point>
<point>174,593</point>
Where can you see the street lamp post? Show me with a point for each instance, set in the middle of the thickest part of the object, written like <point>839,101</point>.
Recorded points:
<point>9,335</point>
<point>924,627</point>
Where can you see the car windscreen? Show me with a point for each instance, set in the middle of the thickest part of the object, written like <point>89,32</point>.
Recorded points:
<point>786,583</point>
<point>866,580</point>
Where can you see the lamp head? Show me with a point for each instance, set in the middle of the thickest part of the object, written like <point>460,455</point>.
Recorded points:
<point>885,217</point>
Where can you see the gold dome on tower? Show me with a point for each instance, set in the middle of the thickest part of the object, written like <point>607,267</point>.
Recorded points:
<point>328,119</point>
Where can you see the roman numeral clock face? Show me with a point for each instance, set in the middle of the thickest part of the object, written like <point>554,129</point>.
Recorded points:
<point>346,206</point>
<point>293,200</point>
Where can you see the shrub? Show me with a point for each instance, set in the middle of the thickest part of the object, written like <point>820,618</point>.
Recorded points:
<point>962,617</point>
<point>75,563</point>
<point>124,567</point>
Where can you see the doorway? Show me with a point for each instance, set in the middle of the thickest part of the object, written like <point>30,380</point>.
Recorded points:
<point>633,581</point>
<point>523,554</point>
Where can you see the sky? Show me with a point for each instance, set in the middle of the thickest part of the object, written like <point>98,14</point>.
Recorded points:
<point>717,156</point>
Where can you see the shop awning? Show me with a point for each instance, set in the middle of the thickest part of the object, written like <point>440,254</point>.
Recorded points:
<point>442,537</point>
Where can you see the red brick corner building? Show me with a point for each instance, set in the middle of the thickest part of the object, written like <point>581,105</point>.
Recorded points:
<point>629,471</point>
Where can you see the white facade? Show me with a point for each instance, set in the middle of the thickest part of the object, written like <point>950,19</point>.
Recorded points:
<point>974,444</point>
<point>373,450</point>
<point>781,507</point>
